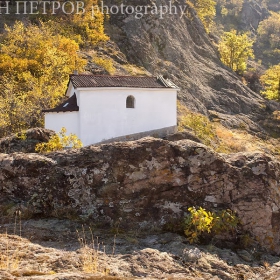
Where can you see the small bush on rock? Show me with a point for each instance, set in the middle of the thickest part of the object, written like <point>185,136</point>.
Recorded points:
<point>200,125</point>
<point>200,221</point>
<point>59,142</point>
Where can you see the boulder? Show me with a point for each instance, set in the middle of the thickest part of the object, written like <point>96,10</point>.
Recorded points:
<point>144,185</point>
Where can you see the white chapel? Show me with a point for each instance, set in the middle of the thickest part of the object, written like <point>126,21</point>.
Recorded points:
<point>104,108</point>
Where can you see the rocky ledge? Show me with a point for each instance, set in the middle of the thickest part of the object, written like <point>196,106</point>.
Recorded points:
<point>144,185</point>
<point>55,254</point>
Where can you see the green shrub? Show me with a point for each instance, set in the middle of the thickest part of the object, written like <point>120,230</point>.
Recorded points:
<point>200,125</point>
<point>200,221</point>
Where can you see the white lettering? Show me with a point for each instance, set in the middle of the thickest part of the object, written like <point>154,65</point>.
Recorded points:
<point>32,7</point>
<point>55,6</point>
<point>183,10</point>
<point>116,10</point>
<point>129,10</point>
<point>162,11</point>
<point>138,12</point>
<point>172,9</point>
<point>65,5</point>
<point>44,6</point>
<point>154,10</point>
<point>104,7</point>
<point>80,7</point>
<point>24,7</point>
<point>7,8</point>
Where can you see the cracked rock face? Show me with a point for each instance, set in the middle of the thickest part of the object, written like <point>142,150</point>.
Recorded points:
<point>178,47</point>
<point>144,185</point>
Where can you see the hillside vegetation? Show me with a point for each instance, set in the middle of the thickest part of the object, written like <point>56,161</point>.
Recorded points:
<point>38,52</point>
<point>260,20</point>
<point>36,59</point>
<point>133,196</point>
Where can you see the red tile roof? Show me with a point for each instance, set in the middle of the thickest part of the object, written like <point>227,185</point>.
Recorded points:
<point>70,105</point>
<point>84,81</point>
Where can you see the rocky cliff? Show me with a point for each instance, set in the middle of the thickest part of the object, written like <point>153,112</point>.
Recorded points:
<point>251,15</point>
<point>179,48</point>
<point>144,185</point>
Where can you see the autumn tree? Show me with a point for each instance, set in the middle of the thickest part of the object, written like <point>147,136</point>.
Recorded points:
<point>90,24</point>
<point>271,82</point>
<point>85,27</point>
<point>229,8</point>
<point>269,37</point>
<point>35,63</point>
<point>206,10</point>
<point>235,50</point>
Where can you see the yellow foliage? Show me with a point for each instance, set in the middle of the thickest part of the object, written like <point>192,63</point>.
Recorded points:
<point>269,31</point>
<point>90,28</point>
<point>200,221</point>
<point>107,64</point>
<point>206,10</point>
<point>230,7</point>
<point>235,50</point>
<point>200,125</point>
<point>271,82</point>
<point>59,142</point>
<point>35,63</point>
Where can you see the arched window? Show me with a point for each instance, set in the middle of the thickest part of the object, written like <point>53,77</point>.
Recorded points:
<point>130,102</point>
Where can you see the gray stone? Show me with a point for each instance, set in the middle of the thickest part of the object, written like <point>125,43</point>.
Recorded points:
<point>191,255</point>
<point>245,255</point>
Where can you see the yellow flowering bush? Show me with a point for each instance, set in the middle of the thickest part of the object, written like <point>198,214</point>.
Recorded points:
<point>59,142</point>
<point>200,221</point>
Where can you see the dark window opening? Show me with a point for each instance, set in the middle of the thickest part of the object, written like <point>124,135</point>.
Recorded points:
<point>130,102</point>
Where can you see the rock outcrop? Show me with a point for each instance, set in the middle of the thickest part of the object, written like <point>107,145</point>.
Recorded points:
<point>144,185</point>
<point>251,15</point>
<point>127,257</point>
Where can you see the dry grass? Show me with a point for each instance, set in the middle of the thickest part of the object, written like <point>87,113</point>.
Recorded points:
<point>90,253</point>
<point>89,256</point>
<point>19,257</point>
<point>222,139</point>
<point>233,141</point>
<point>276,115</point>
<point>135,70</point>
<point>41,262</point>
<point>266,264</point>
<point>9,258</point>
